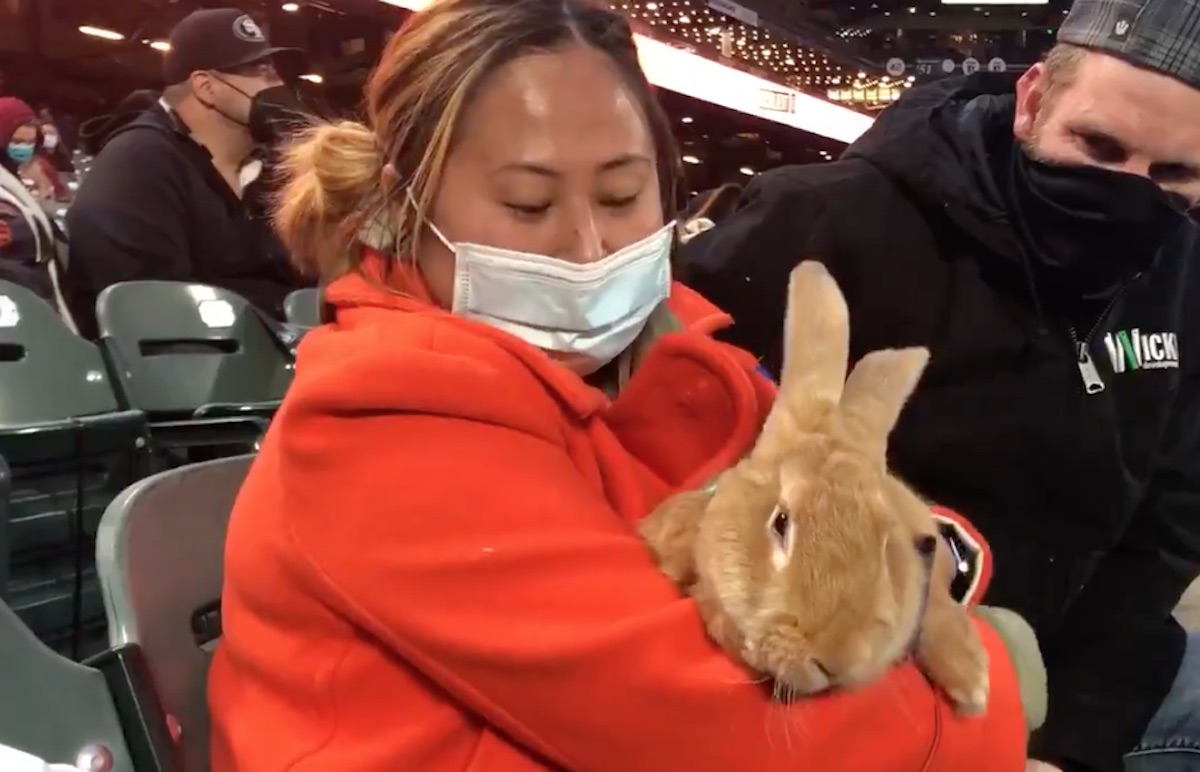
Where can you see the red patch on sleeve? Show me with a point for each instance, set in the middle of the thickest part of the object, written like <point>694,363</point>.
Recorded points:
<point>6,234</point>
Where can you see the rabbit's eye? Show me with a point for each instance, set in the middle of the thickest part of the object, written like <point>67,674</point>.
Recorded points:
<point>780,524</point>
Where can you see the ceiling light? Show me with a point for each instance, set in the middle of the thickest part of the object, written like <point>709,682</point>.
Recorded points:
<point>290,7</point>
<point>160,45</point>
<point>746,170</point>
<point>312,77</point>
<point>100,32</point>
<point>686,119</point>
<point>691,159</point>
<point>995,2</point>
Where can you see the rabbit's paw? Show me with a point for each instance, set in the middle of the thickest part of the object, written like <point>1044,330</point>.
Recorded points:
<point>952,655</point>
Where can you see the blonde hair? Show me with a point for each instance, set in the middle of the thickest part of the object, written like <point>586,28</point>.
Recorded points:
<point>1061,65</point>
<point>343,180</point>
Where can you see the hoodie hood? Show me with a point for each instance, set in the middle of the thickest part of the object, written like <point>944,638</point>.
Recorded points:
<point>947,145</point>
<point>94,133</point>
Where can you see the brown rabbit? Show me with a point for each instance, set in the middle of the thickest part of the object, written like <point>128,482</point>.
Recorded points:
<point>809,560</point>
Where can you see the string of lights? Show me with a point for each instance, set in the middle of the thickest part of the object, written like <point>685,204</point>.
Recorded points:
<point>707,32</point>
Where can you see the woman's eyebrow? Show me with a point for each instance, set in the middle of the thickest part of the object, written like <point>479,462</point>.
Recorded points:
<point>531,168</point>
<point>621,161</point>
<point>625,159</point>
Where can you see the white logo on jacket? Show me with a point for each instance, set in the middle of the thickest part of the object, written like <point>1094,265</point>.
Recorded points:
<point>1130,350</point>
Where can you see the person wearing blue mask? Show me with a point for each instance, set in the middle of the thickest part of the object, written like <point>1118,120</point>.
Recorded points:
<point>21,138</point>
<point>441,523</point>
<point>26,235</point>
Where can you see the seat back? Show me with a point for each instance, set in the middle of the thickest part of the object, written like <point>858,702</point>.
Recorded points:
<point>69,450</point>
<point>46,371</point>
<point>177,347</point>
<point>160,554</point>
<point>303,307</point>
<point>5,490</point>
<point>53,708</point>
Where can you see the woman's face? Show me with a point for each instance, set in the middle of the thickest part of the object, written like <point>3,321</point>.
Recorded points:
<point>25,134</point>
<point>21,145</point>
<point>49,136</point>
<point>553,157</point>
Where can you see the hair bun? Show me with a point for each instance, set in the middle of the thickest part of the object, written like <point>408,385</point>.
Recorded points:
<point>331,173</point>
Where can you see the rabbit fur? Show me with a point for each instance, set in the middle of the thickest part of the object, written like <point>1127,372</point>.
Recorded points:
<point>808,560</point>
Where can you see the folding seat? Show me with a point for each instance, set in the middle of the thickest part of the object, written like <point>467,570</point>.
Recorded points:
<point>68,449</point>
<point>160,553</point>
<point>303,307</point>
<point>53,708</point>
<point>205,366</point>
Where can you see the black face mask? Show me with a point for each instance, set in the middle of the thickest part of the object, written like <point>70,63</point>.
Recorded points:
<point>1090,228</point>
<point>275,112</point>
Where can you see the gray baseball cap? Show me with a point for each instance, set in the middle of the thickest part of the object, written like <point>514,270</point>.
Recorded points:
<point>1161,35</point>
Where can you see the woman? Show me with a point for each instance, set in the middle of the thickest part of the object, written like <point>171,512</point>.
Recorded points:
<point>27,241</point>
<point>22,140</point>
<point>432,564</point>
<point>54,147</point>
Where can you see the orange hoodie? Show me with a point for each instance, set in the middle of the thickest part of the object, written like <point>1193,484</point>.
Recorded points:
<point>432,568</point>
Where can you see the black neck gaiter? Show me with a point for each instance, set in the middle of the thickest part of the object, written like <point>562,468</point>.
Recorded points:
<point>1089,230</point>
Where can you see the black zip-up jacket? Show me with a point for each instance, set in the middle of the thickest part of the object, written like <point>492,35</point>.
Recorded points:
<point>153,206</point>
<point>1091,502</point>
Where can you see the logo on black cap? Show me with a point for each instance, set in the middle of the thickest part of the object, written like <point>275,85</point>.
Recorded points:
<point>1123,26</point>
<point>247,29</point>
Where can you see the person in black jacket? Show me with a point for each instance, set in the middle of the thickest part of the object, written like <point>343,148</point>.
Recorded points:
<point>164,198</point>
<point>1033,234</point>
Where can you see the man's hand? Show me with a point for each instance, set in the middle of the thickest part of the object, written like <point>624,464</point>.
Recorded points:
<point>1033,765</point>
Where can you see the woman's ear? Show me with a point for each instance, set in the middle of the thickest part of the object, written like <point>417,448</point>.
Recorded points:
<point>390,179</point>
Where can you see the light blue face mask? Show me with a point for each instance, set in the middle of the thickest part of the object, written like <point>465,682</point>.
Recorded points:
<point>20,152</point>
<point>594,309</point>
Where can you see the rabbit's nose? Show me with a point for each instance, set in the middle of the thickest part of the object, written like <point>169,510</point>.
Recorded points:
<point>926,545</point>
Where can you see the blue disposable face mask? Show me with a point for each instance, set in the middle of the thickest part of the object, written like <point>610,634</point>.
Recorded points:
<point>20,152</point>
<point>594,309</point>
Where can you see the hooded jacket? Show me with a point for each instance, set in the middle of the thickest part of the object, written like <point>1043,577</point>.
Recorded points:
<point>154,207</point>
<point>433,566</point>
<point>28,245</point>
<point>1090,501</point>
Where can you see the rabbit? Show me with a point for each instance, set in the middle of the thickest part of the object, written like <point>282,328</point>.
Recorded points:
<point>809,560</point>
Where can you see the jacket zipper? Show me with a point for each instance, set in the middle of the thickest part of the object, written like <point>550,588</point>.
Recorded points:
<point>1092,382</point>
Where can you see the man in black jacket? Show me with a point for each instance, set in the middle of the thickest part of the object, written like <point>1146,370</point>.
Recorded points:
<point>166,196</point>
<point>1033,234</point>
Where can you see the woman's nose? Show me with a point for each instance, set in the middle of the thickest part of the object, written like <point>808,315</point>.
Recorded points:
<point>587,244</point>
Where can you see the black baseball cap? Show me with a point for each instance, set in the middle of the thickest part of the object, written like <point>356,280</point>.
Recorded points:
<point>218,39</point>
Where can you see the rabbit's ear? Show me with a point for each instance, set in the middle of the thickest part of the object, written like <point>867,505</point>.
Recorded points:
<point>875,393</point>
<point>816,339</point>
<point>816,347</point>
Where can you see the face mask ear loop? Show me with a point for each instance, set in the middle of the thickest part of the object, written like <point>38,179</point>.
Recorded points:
<point>219,111</point>
<point>428,223</point>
